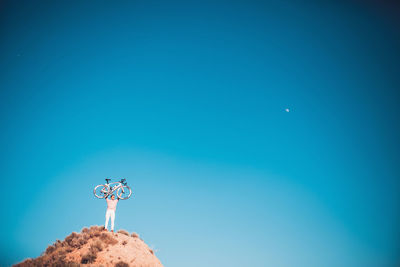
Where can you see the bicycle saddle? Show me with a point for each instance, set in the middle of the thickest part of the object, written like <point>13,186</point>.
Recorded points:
<point>107,180</point>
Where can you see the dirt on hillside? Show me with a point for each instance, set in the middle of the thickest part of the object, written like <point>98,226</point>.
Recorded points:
<point>95,246</point>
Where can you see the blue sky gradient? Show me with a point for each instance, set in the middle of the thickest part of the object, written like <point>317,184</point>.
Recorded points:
<point>187,102</point>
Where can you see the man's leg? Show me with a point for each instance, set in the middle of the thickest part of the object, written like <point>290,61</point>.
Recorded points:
<point>112,220</point>
<point>107,218</point>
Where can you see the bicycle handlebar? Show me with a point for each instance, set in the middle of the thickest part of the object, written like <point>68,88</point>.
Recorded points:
<point>123,181</point>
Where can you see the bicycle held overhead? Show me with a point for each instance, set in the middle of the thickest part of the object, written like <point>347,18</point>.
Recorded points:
<point>123,191</point>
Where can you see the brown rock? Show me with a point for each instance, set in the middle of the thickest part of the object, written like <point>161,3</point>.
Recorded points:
<point>96,247</point>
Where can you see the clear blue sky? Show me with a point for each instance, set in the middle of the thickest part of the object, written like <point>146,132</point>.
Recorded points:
<point>187,101</point>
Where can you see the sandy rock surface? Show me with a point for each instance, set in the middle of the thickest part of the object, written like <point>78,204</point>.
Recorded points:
<point>97,247</point>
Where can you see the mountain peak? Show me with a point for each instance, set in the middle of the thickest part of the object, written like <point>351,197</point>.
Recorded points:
<point>95,246</point>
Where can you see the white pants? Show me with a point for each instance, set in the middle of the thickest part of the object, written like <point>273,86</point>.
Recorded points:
<point>110,213</point>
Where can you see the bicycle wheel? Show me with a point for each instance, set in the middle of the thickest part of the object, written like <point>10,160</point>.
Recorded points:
<point>124,192</point>
<point>100,191</point>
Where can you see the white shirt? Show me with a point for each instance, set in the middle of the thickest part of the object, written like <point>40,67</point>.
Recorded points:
<point>111,204</point>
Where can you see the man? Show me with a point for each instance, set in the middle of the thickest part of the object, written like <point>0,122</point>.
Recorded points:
<point>111,207</point>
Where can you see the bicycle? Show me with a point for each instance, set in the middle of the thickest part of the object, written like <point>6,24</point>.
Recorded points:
<point>105,190</point>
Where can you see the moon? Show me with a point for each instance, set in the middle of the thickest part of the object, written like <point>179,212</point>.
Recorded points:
<point>287,110</point>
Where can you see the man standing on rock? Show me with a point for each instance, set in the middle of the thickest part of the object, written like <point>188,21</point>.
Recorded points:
<point>111,207</point>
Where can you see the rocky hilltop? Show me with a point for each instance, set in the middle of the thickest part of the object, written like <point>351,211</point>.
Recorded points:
<point>96,247</point>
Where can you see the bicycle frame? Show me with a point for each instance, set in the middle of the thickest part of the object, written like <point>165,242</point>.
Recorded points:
<point>114,188</point>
